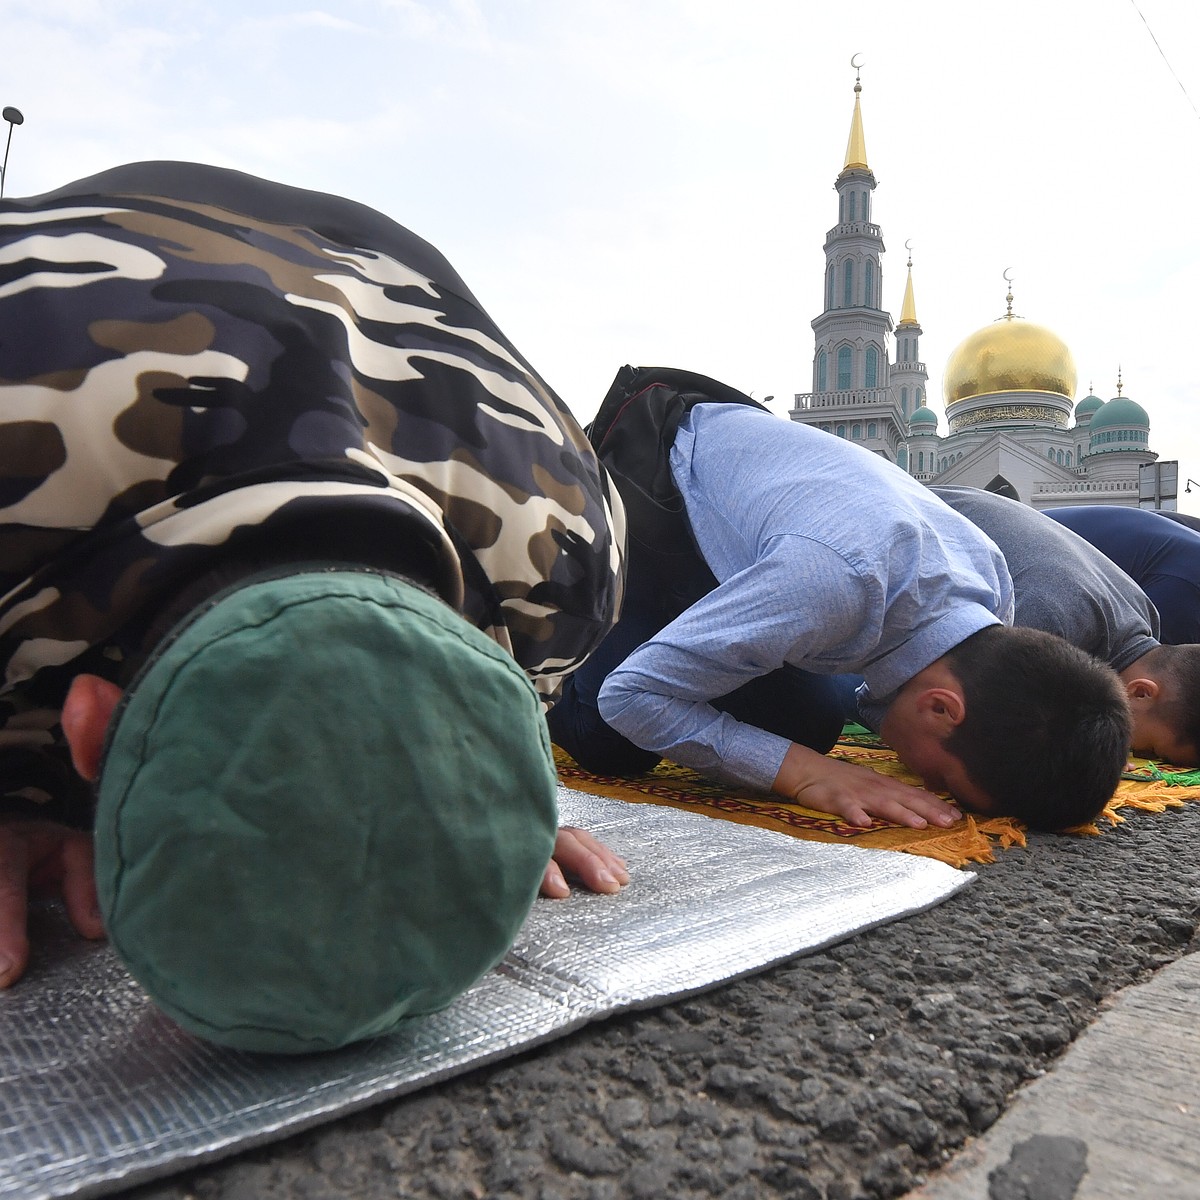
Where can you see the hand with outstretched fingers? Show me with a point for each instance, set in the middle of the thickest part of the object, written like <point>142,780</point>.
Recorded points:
<point>38,858</point>
<point>585,859</point>
<point>857,794</point>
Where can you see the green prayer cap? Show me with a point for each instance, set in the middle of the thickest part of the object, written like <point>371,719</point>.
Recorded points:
<point>325,805</point>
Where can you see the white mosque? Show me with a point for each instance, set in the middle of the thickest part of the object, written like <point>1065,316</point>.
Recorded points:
<point>1008,388</point>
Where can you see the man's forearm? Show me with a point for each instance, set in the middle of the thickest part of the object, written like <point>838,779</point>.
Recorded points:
<point>692,733</point>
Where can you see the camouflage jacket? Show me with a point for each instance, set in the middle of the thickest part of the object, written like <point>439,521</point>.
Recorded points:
<point>191,358</point>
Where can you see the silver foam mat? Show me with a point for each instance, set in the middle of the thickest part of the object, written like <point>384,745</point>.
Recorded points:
<point>98,1091</point>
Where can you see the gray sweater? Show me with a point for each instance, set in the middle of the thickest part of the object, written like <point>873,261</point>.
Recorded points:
<point>1061,583</point>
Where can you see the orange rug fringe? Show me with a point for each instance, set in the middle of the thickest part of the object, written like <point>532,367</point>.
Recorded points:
<point>972,840</point>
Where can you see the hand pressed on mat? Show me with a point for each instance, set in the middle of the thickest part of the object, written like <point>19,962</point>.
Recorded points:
<point>857,794</point>
<point>585,858</point>
<point>37,857</point>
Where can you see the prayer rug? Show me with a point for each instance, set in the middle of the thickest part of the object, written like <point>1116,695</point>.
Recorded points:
<point>99,1091</point>
<point>1145,786</point>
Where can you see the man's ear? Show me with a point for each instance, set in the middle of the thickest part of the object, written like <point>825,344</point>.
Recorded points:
<point>941,709</point>
<point>86,713</point>
<point>1143,689</point>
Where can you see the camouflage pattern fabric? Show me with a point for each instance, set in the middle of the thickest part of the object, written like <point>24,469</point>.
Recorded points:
<point>194,361</point>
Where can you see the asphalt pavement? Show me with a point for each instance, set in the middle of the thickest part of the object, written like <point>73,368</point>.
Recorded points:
<point>1118,1115</point>
<point>1022,1041</point>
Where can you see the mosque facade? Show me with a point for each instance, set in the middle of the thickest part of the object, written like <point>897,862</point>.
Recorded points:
<point>1008,388</point>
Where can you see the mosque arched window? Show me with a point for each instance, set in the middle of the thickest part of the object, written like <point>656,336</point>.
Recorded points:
<point>872,374</point>
<point>866,199</point>
<point>829,286</point>
<point>848,284</point>
<point>902,458</point>
<point>904,401</point>
<point>841,209</point>
<point>843,368</point>
<point>856,432</point>
<point>1050,454</point>
<point>822,371</point>
<point>1058,455</point>
<point>869,285</point>
<point>920,460</point>
<point>841,431</point>
<point>1068,458</point>
<point>853,198</point>
<point>872,429</point>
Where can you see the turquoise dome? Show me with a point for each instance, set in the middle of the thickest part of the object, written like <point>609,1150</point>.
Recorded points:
<point>1120,411</point>
<point>923,417</point>
<point>1088,404</point>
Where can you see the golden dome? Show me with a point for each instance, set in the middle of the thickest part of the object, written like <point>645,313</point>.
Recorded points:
<point>1010,355</point>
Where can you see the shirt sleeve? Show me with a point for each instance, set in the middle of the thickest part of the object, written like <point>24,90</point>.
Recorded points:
<point>800,603</point>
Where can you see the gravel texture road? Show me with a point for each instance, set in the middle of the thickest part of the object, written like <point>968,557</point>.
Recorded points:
<point>851,1073</point>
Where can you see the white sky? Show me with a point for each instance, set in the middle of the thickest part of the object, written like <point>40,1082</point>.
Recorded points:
<point>651,181</point>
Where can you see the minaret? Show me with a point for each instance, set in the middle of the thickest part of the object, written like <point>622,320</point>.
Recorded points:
<point>908,388</point>
<point>851,395</point>
<point>908,371</point>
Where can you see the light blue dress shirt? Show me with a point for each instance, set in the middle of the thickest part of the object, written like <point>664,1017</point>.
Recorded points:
<point>827,557</point>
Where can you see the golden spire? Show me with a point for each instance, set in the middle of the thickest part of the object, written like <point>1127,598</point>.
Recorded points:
<point>1008,316</point>
<point>856,147</point>
<point>908,310</point>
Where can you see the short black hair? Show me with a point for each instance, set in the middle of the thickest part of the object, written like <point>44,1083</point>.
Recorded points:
<point>1047,728</point>
<point>1180,668</point>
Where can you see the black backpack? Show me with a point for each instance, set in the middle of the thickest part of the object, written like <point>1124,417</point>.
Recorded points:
<point>633,433</point>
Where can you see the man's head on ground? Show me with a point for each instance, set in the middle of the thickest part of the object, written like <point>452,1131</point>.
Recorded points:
<point>1015,722</point>
<point>325,803</point>
<point>1164,694</point>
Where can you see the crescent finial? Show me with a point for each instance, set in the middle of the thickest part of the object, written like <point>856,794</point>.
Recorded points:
<point>1007,276</point>
<point>856,54</point>
<point>908,245</point>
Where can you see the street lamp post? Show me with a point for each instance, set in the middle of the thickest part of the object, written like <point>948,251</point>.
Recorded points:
<point>14,116</point>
